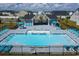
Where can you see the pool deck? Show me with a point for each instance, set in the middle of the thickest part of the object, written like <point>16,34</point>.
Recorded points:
<point>41,27</point>
<point>73,37</point>
<point>12,31</point>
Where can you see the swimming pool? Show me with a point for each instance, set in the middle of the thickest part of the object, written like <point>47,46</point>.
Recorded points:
<point>39,39</point>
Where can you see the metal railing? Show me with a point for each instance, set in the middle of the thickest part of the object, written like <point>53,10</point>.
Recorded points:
<point>32,50</point>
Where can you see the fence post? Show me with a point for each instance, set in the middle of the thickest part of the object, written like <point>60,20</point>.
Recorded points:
<point>22,49</point>
<point>49,50</point>
<point>63,49</point>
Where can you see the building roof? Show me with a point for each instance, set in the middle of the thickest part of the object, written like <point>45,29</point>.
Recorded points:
<point>9,17</point>
<point>77,9</point>
<point>29,16</point>
<point>58,13</point>
<point>11,11</point>
<point>7,12</point>
<point>52,16</point>
<point>75,16</point>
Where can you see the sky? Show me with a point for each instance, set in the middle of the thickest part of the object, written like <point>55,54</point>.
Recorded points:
<point>39,6</point>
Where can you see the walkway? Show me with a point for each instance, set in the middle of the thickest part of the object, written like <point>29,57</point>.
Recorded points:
<point>73,37</point>
<point>10,32</point>
<point>41,28</point>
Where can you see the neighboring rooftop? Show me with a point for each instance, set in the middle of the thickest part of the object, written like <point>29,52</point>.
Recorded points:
<point>61,12</point>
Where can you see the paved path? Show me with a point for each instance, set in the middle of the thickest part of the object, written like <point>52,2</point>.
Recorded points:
<point>73,37</point>
<point>41,27</point>
<point>4,35</point>
<point>18,31</point>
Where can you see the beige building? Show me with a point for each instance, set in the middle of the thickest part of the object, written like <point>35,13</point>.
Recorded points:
<point>7,13</point>
<point>75,17</point>
<point>9,18</point>
<point>40,18</point>
<point>21,13</point>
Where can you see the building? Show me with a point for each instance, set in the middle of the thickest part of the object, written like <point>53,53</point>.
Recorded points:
<point>21,13</point>
<point>50,15</point>
<point>75,17</point>
<point>40,19</point>
<point>8,13</point>
<point>8,18</point>
<point>62,14</point>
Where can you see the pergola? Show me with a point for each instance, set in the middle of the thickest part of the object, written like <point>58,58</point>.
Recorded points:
<point>40,19</point>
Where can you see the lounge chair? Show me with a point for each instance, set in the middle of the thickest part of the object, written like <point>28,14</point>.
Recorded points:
<point>69,51</point>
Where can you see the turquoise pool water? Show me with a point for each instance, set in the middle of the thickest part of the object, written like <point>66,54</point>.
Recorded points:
<point>39,39</point>
<point>27,24</point>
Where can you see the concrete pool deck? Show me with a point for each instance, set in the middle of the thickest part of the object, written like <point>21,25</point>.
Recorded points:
<point>41,27</point>
<point>2,37</point>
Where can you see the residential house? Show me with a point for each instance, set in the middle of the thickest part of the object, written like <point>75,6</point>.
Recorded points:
<point>75,16</point>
